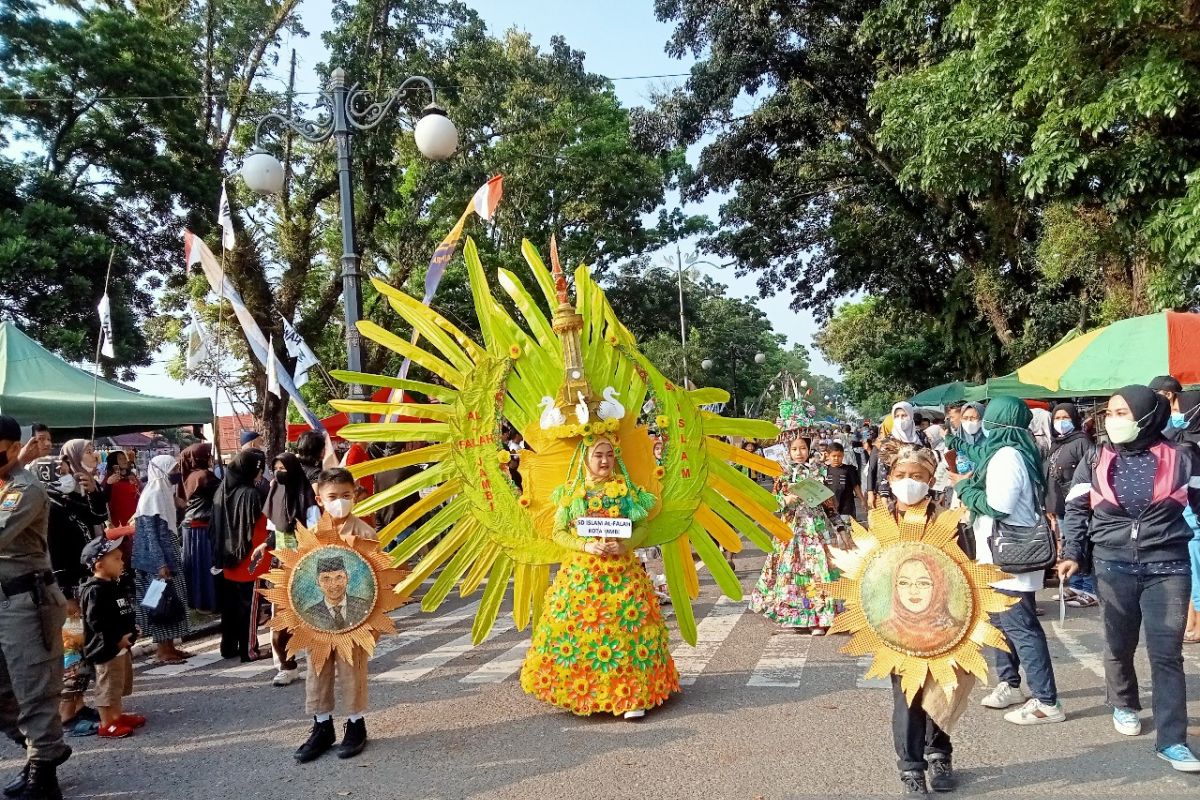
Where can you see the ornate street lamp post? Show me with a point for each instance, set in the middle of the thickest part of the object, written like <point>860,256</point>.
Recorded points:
<point>348,111</point>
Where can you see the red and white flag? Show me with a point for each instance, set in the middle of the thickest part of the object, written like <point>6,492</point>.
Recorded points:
<point>488,197</point>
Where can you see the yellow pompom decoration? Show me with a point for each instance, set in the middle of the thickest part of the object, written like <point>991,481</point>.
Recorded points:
<point>504,456</point>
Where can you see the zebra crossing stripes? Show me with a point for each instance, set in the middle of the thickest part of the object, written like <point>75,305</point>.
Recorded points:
<point>710,633</point>
<point>434,625</point>
<point>425,663</point>
<point>781,665</point>
<point>1086,658</point>
<point>500,668</point>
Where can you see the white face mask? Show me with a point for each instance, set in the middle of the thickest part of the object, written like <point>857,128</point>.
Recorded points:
<point>971,426</point>
<point>1064,426</point>
<point>1121,430</point>
<point>67,484</point>
<point>339,509</point>
<point>910,491</point>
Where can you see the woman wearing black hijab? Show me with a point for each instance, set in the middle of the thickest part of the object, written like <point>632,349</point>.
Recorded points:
<point>1069,446</point>
<point>236,516</point>
<point>1129,505</point>
<point>288,502</point>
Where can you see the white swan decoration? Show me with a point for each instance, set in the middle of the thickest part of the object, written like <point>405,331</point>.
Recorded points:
<point>552,417</point>
<point>582,413</point>
<point>610,407</point>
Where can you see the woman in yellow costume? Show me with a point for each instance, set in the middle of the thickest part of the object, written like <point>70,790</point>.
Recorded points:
<point>593,487</point>
<point>601,645</point>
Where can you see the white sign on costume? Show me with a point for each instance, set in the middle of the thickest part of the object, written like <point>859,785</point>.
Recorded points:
<point>604,527</point>
<point>298,349</point>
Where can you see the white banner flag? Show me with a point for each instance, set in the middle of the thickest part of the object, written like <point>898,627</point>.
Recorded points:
<point>225,220</point>
<point>198,253</point>
<point>106,336</point>
<point>197,345</point>
<point>273,369</point>
<point>298,349</point>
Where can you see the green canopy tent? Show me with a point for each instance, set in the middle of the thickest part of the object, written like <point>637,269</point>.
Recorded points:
<point>38,386</point>
<point>942,394</point>
<point>1010,385</point>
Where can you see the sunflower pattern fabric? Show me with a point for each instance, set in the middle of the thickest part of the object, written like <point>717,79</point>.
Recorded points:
<point>601,645</point>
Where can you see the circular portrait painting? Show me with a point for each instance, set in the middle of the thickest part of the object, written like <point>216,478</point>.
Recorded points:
<point>333,589</point>
<point>916,599</point>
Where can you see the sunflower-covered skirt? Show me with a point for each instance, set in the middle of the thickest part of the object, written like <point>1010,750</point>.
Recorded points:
<point>600,645</point>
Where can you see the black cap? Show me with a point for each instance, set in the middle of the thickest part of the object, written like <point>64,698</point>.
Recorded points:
<point>10,429</point>
<point>331,564</point>
<point>1166,383</point>
<point>97,549</point>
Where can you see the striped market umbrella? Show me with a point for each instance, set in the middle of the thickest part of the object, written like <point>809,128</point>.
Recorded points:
<point>1134,350</point>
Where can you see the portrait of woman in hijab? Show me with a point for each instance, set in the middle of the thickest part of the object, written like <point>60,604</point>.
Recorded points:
<point>924,614</point>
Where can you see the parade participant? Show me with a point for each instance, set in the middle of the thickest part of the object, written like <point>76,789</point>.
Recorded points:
<point>237,527</point>
<point>904,431</point>
<point>109,630</point>
<point>290,503</point>
<point>30,627</point>
<point>609,655</point>
<point>844,481</point>
<point>620,613</point>
<point>197,487</point>
<point>121,489</point>
<point>788,589</point>
<point>156,554</point>
<point>1071,446</point>
<point>335,495</point>
<point>921,744</point>
<point>1128,505</point>
<point>1007,484</point>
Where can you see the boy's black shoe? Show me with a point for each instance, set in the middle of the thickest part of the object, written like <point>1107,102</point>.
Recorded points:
<point>319,741</point>
<point>941,773</point>
<point>914,782</point>
<point>43,781</point>
<point>354,740</point>
<point>17,785</point>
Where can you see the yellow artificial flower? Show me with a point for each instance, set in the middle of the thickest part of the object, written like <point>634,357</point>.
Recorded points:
<point>659,472</point>
<point>612,489</point>
<point>615,511</point>
<point>586,429</point>
<point>524,501</point>
<point>595,504</point>
<point>662,421</point>
<point>503,456</point>
<point>622,489</point>
<point>514,351</point>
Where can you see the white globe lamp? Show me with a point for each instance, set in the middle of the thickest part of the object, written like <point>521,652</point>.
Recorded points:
<point>262,172</point>
<point>435,134</point>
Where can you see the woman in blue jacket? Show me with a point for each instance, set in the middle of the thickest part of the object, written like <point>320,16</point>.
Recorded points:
<point>1128,503</point>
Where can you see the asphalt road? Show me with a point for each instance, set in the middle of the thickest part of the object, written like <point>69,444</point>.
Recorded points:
<point>766,716</point>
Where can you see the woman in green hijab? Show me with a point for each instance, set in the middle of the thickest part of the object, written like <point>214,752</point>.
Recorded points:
<point>1008,485</point>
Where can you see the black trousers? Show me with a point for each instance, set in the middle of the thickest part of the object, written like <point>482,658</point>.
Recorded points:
<point>237,628</point>
<point>914,733</point>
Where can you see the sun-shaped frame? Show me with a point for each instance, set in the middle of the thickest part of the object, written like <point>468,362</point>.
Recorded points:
<point>322,645</point>
<point>966,652</point>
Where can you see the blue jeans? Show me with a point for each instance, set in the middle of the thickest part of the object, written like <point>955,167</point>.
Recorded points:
<point>1194,553</point>
<point>1027,645</point>
<point>1084,583</point>
<point>1130,597</point>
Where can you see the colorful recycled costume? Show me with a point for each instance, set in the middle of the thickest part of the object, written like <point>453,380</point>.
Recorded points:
<point>572,386</point>
<point>791,588</point>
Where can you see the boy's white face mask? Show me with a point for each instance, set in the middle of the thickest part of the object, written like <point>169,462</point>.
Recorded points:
<point>339,509</point>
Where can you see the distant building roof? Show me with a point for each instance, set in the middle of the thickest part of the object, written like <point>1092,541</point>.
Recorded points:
<point>132,440</point>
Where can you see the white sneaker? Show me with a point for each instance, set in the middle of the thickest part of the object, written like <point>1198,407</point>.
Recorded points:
<point>1126,721</point>
<point>1004,696</point>
<point>1035,712</point>
<point>637,713</point>
<point>285,677</point>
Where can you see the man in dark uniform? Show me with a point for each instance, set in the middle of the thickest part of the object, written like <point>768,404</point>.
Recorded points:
<point>32,612</point>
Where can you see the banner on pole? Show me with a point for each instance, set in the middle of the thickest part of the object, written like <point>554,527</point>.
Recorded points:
<point>298,349</point>
<point>198,253</point>
<point>104,309</point>
<point>225,220</point>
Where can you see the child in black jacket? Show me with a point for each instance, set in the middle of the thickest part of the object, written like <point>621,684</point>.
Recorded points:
<point>109,632</point>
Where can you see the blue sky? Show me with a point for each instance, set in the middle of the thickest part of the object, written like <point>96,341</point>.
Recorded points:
<point>620,38</point>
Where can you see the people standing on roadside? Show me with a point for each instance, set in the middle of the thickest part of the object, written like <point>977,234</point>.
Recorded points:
<point>310,449</point>
<point>156,555</point>
<point>121,489</point>
<point>1189,437</point>
<point>1071,446</point>
<point>197,487</point>
<point>238,527</point>
<point>290,503</point>
<point>1129,507</point>
<point>904,431</point>
<point>971,434</point>
<point>844,481</point>
<point>38,446</point>
<point>1007,484</point>
<point>30,627</point>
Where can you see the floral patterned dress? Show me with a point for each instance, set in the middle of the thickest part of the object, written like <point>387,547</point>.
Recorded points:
<point>601,645</point>
<point>787,590</point>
